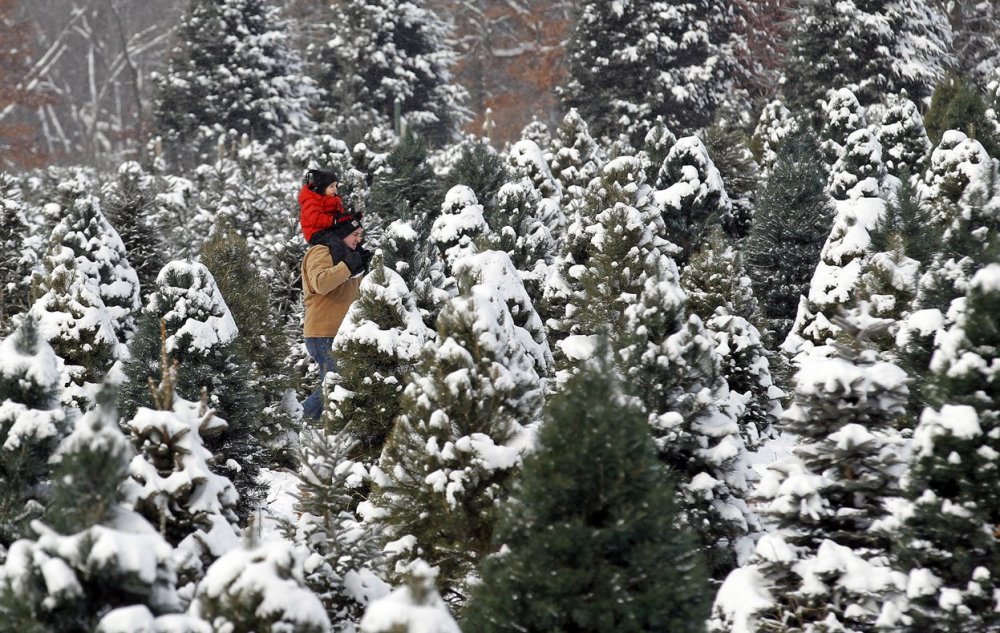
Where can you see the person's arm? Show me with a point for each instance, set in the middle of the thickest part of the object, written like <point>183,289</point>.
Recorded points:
<point>322,274</point>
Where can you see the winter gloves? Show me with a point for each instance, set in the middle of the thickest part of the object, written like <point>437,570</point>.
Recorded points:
<point>355,261</point>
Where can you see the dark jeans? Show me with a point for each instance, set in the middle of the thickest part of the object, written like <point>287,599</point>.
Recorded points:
<point>320,349</point>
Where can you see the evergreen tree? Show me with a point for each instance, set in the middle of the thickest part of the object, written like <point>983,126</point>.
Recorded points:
<point>377,348</point>
<point>905,144</point>
<point>406,189</point>
<point>655,147</point>
<point>347,573</point>
<point>791,223</point>
<point>240,592</point>
<point>91,555</point>
<point>100,254</point>
<point>671,362</point>
<point>720,292</point>
<point>74,321</point>
<point>592,525</point>
<point>950,545</point>
<point>448,462</point>
<point>873,48</point>
<point>131,204</point>
<point>842,115</point>
<point>16,259</point>
<point>826,499</point>
<point>187,308</point>
<point>482,169</point>
<point>197,517</point>
<point>775,123</point>
<point>31,425</point>
<point>458,228</point>
<point>575,155</point>
<point>231,68</point>
<point>517,230</point>
<point>381,53</point>
<point>958,105</point>
<point>610,246</point>
<point>855,183</point>
<point>975,26</point>
<point>526,160</point>
<point>730,151</point>
<point>630,62</point>
<point>693,196</point>
<point>228,257</point>
<point>414,607</point>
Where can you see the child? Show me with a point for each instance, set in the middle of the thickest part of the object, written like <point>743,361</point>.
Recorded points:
<point>323,217</point>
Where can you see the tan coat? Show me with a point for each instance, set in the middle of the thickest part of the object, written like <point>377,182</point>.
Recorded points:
<point>328,290</point>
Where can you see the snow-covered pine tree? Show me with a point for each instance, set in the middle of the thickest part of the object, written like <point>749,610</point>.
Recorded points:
<point>170,481</point>
<point>383,52</point>
<point>855,184</point>
<point>495,271</point>
<point>377,348</point>
<point>200,333</point>
<point>238,274</point>
<point>610,245</point>
<point>344,566</point>
<point>593,523</point>
<point>517,230</point>
<point>131,204</point>
<point>975,28</point>
<point>459,228</point>
<point>631,61</point>
<point>955,192</point>
<point>16,258</point>
<point>775,123</point>
<point>950,543</point>
<point>72,318</point>
<point>655,147</point>
<point>792,220</point>
<point>91,555</point>
<point>450,458</point>
<point>261,588</point>
<point>873,48</point>
<point>842,115</point>
<point>525,159</point>
<point>959,105</point>
<point>671,362</point>
<point>575,157</point>
<point>537,132</point>
<point>413,607</point>
<point>720,292</point>
<point>692,195</point>
<point>730,151</point>
<point>32,423</point>
<point>232,67</point>
<point>406,189</point>
<point>100,254</point>
<point>905,144</point>
<point>482,169</point>
<point>824,567</point>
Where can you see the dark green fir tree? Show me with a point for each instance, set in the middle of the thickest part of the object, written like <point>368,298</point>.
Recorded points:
<point>131,206</point>
<point>591,527</point>
<point>792,221</point>
<point>482,169</point>
<point>407,189</point>
<point>730,151</point>
<point>248,296</point>
<point>957,104</point>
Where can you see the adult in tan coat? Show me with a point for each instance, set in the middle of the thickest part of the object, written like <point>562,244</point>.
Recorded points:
<point>330,281</point>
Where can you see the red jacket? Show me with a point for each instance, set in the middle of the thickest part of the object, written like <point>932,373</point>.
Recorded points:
<point>317,212</point>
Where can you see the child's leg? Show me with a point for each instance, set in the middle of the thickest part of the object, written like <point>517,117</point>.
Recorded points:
<point>338,250</point>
